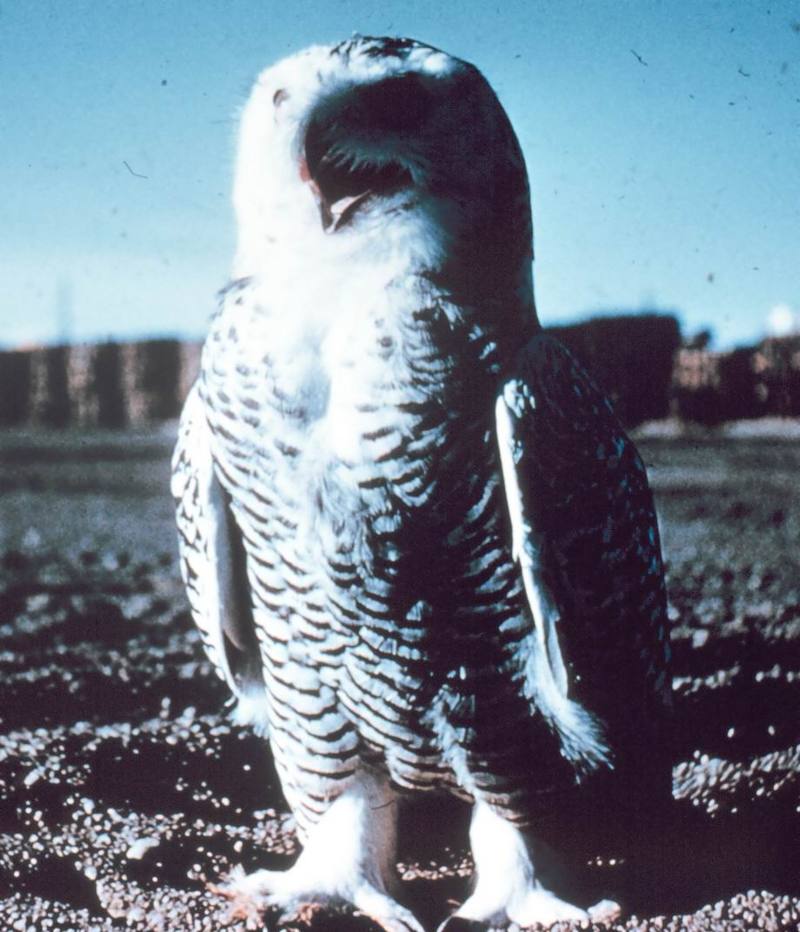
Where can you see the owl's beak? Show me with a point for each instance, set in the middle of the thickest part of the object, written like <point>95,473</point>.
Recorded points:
<point>341,194</point>
<point>337,213</point>
<point>341,212</point>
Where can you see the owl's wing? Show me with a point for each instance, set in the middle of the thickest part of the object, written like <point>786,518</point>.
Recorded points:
<point>213,565</point>
<point>585,536</point>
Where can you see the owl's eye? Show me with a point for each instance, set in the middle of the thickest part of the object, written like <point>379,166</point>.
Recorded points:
<point>280,96</point>
<point>339,173</point>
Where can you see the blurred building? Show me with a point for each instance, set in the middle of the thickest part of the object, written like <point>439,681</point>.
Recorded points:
<point>96,385</point>
<point>638,360</point>
<point>631,357</point>
<point>748,382</point>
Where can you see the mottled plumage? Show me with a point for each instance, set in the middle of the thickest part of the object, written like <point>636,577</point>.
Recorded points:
<point>418,545</point>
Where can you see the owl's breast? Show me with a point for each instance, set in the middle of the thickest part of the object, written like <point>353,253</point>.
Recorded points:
<point>366,431</point>
<point>371,509</point>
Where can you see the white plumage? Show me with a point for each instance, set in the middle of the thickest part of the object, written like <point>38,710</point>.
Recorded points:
<point>419,547</point>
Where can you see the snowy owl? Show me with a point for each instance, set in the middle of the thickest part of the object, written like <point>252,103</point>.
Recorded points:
<point>418,545</point>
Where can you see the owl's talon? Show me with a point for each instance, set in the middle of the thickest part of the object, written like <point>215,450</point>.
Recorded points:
<point>386,912</point>
<point>460,924</point>
<point>244,905</point>
<point>605,911</point>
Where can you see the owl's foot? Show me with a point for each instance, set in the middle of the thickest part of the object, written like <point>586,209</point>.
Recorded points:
<point>253,895</point>
<point>509,888</point>
<point>349,856</point>
<point>244,904</point>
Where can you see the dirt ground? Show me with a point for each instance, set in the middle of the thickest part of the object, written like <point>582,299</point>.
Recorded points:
<point>124,788</point>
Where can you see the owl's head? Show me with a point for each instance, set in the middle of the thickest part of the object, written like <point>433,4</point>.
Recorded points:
<point>373,142</point>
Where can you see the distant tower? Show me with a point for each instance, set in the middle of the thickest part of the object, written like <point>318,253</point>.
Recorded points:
<point>65,317</point>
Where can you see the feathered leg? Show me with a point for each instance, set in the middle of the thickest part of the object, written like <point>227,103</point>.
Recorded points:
<point>349,855</point>
<point>509,888</point>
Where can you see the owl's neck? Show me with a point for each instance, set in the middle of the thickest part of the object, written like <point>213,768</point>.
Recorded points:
<point>398,261</point>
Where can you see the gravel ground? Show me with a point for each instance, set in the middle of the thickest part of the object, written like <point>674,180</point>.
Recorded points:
<point>124,788</point>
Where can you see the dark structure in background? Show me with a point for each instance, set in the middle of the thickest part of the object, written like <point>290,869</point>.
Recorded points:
<point>110,385</point>
<point>777,367</point>
<point>49,395</point>
<point>639,361</point>
<point>631,358</point>
<point>150,375</point>
<point>750,382</point>
<point>15,382</point>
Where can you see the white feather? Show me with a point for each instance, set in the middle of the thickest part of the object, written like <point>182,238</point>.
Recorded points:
<point>252,708</point>
<point>546,681</point>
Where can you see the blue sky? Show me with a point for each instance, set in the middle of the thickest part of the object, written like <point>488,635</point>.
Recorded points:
<point>662,140</point>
